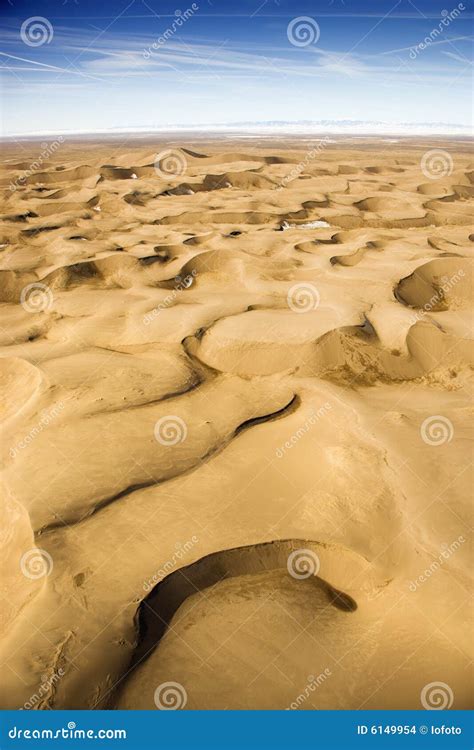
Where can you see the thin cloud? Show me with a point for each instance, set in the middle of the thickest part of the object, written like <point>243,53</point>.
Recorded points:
<point>55,68</point>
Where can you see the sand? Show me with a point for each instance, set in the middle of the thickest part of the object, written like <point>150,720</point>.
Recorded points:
<point>235,388</point>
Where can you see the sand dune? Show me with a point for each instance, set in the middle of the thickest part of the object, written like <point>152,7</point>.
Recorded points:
<point>214,360</point>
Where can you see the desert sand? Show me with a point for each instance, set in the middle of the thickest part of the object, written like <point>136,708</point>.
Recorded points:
<point>235,386</point>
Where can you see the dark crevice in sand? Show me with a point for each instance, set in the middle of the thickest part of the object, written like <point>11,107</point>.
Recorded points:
<point>294,404</point>
<point>157,610</point>
<point>291,406</point>
<point>195,383</point>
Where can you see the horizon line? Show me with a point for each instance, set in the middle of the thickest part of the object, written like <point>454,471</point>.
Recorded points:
<point>272,127</point>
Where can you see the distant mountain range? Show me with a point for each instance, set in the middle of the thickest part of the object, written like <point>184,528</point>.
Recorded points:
<point>343,125</point>
<point>281,127</point>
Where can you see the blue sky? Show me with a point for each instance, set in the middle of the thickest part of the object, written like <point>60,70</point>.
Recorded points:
<point>89,65</point>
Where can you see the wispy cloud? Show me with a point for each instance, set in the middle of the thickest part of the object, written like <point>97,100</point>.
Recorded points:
<point>118,57</point>
<point>455,56</point>
<point>237,62</point>
<point>34,64</point>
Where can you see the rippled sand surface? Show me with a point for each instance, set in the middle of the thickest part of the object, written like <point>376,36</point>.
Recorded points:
<point>235,385</point>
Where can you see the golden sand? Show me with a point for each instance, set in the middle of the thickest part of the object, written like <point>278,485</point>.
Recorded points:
<point>266,345</point>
